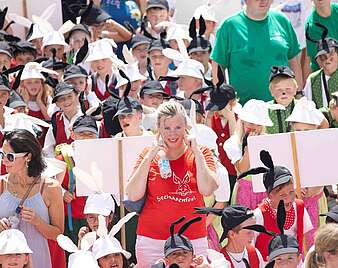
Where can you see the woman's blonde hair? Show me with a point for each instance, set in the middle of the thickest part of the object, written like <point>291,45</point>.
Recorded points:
<point>47,91</point>
<point>170,109</point>
<point>326,240</point>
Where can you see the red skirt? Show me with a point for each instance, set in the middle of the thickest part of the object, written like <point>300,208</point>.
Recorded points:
<point>57,255</point>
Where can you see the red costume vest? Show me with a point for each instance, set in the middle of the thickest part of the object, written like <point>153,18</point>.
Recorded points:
<point>252,254</point>
<point>270,224</point>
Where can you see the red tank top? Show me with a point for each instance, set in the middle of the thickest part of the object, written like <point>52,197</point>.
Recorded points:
<point>252,254</point>
<point>270,224</point>
<point>223,133</point>
<point>169,199</point>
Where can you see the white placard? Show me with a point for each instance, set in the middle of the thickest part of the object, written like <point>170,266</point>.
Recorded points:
<point>93,154</point>
<point>316,153</point>
<point>100,156</point>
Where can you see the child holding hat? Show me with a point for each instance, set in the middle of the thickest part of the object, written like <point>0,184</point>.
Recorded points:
<point>14,250</point>
<point>253,118</point>
<point>278,182</point>
<point>305,117</point>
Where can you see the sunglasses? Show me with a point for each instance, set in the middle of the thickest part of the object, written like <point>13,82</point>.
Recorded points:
<point>11,156</point>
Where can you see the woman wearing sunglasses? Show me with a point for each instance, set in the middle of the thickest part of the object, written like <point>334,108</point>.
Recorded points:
<point>29,202</point>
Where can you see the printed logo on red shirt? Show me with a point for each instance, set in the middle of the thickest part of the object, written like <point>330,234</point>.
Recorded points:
<point>183,185</point>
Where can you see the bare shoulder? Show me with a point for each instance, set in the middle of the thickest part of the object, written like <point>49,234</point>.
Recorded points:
<point>51,185</point>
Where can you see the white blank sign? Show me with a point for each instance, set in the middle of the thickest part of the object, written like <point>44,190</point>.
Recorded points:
<point>316,153</point>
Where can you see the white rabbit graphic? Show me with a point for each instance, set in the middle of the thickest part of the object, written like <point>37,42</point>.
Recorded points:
<point>183,185</point>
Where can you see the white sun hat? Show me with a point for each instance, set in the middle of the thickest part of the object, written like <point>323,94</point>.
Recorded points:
<point>190,67</point>
<point>101,49</point>
<point>175,31</point>
<point>80,257</point>
<point>34,70</point>
<point>257,112</point>
<point>99,203</point>
<point>54,38</point>
<point>107,243</point>
<point>207,12</point>
<point>130,69</point>
<point>305,112</point>
<point>13,241</point>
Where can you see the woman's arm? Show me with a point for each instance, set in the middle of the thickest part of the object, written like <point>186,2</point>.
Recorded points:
<point>137,184</point>
<point>243,164</point>
<point>53,200</point>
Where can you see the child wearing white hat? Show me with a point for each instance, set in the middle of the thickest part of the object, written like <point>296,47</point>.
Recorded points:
<point>14,250</point>
<point>102,59</point>
<point>306,117</point>
<point>253,119</point>
<point>33,89</point>
<point>97,204</point>
<point>132,71</point>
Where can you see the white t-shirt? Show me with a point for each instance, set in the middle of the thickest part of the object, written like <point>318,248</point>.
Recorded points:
<point>222,194</point>
<point>297,11</point>
<point>244,255</point>
<point>307,224</point>
<point>308,90</point>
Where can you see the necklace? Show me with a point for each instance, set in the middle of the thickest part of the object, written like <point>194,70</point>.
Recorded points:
<point>238,261</point>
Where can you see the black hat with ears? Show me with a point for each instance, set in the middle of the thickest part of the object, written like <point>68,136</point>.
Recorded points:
<point>281,243</point>
<point>178,241</point>
<point>273,176</point>
<point>198,42</point>
<point>324,44</point>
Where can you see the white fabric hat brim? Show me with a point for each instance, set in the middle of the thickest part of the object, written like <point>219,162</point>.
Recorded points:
<point>13,241</point>
<point>122,81</point>
<point>250,118</point>
<point>100,203</point>
<point>82,259</point>
<point>185,68</point>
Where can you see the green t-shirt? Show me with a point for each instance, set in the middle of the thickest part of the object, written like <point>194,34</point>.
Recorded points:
<point>315,32</point>
<point>248,49</point>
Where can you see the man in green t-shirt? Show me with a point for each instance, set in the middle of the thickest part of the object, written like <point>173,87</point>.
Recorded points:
<point>325,13</point>
<point>250,42</point>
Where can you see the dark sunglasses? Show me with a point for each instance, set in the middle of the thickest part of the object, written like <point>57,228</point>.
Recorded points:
<point>11,156</point>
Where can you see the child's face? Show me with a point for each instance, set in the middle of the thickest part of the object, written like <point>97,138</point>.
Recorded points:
<point>284,91</point>
<point>286,193</point>
<point>189,84</point>
<point>290,260</point>
<point>23,58</point>
<point>140,52</point>
<point>244,237</point>
<point>102,67</point>
<point>111,260</point>
<point>4,95</point>
<point>183,258</point>
<point>303,126</point>
<point>134,90</point>
<point>202,57</point>
<point>152,100</point>
<point>14,260</point>
<point>130,121</point>
<point>84,135</point>
<point>22,109</point>
<point>77,39</point>
<point>329,62</point>
<point>33,86</point>
<point>252,128</point>
<point>60,49</point>
<point>156,15</point>
<point>93,221</point>
<point>5,61</point>
<point>158,60</point>
<point>67,103</point>
<point>334,113</point>
<point>80,83</point>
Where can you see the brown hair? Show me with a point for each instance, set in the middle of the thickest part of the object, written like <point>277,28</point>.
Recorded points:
<point>47,91</point>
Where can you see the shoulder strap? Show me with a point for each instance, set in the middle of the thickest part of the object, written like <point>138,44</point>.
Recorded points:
<point>253,257</point>
<point>54,124</point>
<point>326,88</point>
<point>227,257</point>
<point>280,122</point>
<point>94,81</point>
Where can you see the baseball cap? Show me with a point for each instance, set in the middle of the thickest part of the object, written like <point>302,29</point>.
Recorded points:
<point>74,71</point>
<point>324,46</point>
<point>61,89</point>
<point>277,71</point>
<point>139,39</point>
<point>151,87</point>
<point>220,97</point>
<point>128,105</point>
<point>157,3</point>
<point>85,123</point>
<point>332,214</point>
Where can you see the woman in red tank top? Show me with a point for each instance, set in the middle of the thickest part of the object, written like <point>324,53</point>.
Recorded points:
<point>173,176</point>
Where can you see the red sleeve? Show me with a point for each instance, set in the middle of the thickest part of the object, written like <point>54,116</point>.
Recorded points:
<point>209,158</point>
